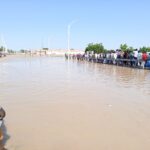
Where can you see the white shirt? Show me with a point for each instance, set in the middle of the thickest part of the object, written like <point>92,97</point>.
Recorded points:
<point>115,55</point>
<point>135,54</point>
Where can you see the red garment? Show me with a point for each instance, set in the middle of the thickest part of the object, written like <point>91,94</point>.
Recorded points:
<point>144,56</point>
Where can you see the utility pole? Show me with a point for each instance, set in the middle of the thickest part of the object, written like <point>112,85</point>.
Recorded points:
<point>69,27</point>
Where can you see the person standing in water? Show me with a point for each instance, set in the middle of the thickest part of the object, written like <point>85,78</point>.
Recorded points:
<point>2,115</point>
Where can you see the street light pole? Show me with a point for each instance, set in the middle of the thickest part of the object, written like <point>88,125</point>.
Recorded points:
<point>4,45</point>
<point>68,38</point>
<point>69,27</point>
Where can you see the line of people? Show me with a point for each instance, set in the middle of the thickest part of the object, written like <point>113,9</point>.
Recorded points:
<point>132,59</point>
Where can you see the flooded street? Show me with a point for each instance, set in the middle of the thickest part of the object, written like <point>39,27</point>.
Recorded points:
<point>56,104</point>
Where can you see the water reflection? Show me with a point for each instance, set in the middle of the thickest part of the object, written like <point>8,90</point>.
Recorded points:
<point>36,74</point>
<point>119,76</point>
<point>21,73</point>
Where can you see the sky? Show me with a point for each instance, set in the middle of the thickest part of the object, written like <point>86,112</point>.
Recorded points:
<point>32,24</point>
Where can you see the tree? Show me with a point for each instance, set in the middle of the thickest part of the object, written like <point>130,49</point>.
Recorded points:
<point>145,49</point>
<point>1,48</point>
<point>22,51</point>
<point>96,48</point>
<point>131,49</point>
<point>148,49</point>
<point>10,51</point>
<point>124,47</point>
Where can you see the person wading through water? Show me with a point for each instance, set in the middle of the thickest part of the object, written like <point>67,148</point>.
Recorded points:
<point>2,115</point>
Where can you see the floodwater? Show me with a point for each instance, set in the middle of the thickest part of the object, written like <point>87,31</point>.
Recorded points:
<point>56,104</point>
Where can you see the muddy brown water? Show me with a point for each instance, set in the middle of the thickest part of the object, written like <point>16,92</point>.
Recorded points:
<point>54,104</point>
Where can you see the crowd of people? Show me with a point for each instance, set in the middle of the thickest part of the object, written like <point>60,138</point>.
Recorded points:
<point>129,58</point>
